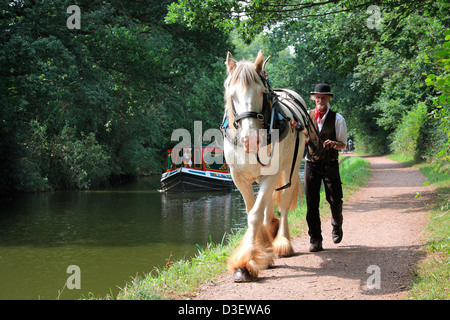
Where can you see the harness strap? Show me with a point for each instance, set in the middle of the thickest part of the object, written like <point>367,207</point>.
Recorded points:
<point>298,129</point>
<point>272,116</point>
<point>247,114</point>
<point>297,142</point>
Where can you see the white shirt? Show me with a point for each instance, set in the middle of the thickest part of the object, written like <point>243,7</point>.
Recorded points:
<point>339,125</point>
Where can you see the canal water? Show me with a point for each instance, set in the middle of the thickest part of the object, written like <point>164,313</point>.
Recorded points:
<point>111,235</point>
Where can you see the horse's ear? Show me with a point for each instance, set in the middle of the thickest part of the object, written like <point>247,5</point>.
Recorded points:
<point>259,62</point>
<point>231,63</point>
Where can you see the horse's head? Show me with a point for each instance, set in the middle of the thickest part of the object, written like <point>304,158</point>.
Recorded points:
<point>244,96</point>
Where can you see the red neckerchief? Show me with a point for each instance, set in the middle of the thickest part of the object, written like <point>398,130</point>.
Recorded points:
<point>319,114</point>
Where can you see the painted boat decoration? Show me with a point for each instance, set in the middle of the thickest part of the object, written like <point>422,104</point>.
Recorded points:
<point>187,170</point>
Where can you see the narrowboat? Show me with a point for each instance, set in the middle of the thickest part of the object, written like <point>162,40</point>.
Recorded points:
<point>196,169</point>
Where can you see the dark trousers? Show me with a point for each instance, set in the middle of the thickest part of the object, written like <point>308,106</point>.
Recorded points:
<point>315,173</point>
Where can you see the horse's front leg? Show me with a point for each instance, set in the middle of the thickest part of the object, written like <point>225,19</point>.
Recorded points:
<point>271,222</point>
<point>255,250</point>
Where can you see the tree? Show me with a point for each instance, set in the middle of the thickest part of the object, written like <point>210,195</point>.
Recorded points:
<point>111,91</point>
<point>441,99</point>
<point>374,68</point>
<point>250,17</point>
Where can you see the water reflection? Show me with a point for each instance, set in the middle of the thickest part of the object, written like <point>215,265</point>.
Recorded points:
<point>111,234</point>
<point>195,216</point>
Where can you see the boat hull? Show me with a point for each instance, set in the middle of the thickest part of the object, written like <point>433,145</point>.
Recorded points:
<point>189,180</point>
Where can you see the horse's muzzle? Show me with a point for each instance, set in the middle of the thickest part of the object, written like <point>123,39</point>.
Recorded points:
<point>251,141</point>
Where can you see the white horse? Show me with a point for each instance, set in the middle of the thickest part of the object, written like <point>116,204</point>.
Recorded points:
<point>266,235</point>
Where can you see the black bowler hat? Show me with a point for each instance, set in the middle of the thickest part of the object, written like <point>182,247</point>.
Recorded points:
<point>322,88</point>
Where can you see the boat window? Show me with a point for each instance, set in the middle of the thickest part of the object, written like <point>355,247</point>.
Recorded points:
<point>187,157</point>
<point>173,165</point>
<point>219,164</point>
<point>197,159</point>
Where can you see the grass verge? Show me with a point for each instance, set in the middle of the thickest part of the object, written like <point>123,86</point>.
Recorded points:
<point>432,275</point>
<point>181,279</point>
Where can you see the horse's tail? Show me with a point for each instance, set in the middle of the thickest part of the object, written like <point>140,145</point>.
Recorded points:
<point>300,191</point>
<point>297,190</point>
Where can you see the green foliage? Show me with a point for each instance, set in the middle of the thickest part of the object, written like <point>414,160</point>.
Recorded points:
<point>432,275</point>
<point>253,16</point>
<point>441,101</point>
<point>109,93</point>
<point>355,172</point>
<point>180,279</point>
<point>127,78</point>
<point>406,137</point>
<point>30,171</point>
<point>78,163</point>
<point>376,74</point>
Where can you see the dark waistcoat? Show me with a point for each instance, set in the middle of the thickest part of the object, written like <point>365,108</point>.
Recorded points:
<point>316,151</point>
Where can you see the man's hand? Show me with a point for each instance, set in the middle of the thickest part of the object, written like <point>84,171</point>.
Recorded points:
<point>333,145</point>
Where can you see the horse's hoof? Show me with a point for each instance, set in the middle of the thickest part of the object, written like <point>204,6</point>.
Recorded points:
<point>242,275</point>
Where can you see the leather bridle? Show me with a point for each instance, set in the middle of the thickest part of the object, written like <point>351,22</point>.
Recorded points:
<point>263,116</point>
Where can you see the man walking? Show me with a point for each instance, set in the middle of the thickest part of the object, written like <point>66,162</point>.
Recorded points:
<point>328,134</point>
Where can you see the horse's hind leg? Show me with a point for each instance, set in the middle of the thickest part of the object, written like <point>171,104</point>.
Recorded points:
<point>282,244</point>
<point>288,201</point>
<point>271,222</point>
